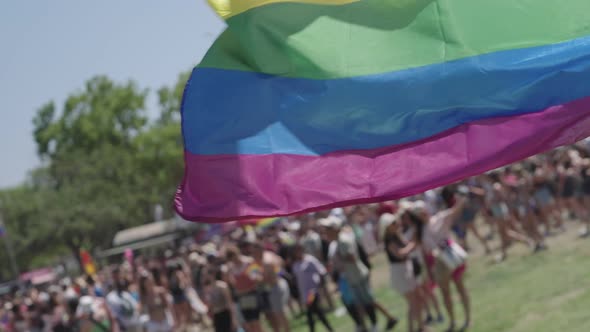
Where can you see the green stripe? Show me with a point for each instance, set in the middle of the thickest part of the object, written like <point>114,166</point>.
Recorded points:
<point>375,36</point>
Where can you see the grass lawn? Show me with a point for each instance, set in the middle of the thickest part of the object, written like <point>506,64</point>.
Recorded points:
<point>544,292</point>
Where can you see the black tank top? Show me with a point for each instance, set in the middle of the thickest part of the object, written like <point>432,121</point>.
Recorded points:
<point>389,239</point>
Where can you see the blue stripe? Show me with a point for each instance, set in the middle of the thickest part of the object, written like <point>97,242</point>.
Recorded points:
<point>235,112</point>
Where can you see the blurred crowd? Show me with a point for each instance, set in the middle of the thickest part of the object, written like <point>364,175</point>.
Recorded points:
<point>308,265</point>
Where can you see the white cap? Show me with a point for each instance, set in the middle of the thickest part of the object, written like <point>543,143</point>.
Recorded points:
<point>43,297</point>
<point>294,226</point>
<point>418,207</point>
<point>85,306</point>
<point>330,222</point>
<point>387,219</point>
<point>338,213</point>
<point>405,205</point>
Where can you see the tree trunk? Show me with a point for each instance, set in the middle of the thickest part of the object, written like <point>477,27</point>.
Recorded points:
<point>75,250</point>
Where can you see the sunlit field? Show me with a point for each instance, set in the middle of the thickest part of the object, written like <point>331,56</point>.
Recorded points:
<point>547,291</point>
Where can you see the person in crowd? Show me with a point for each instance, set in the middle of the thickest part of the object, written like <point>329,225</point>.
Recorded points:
<point>275,288</point>
<point>123,305</point>
<point>544,199</point>
<point>217,297</point>
<point>402,274</point>
<point>309,272</point>
<point>353,308</point>
<point>585,175</point>
<point>524,209</point>
<point>19,322</point>
<point>197,265</point>
<point>435,238</point>
<point>245,276</point>
<point>568,188</point>
<point>93,315</point>
<point>365,225</point>
<point>425,286</point>
<point>156,303</point>
<point>310,239</point>
<point>501,214</point>
<point>475,196</point>
<point>178,286</point>
<point>95,285</point>
<point>344,258</point>
<point>299,259</point>
<point>286,253</point>
<point>312,244</point>
<point>357,215</point>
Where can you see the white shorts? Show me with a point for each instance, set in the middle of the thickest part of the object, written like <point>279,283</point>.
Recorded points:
<point>279,296</point>
<point>402,277</point>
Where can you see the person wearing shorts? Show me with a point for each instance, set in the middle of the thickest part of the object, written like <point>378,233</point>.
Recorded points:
<point>435,232</point>
<point>402,275</point>
<point>274,290</point>
<point>569,184</point>
<point>217,296</point>
<point>344,258</point>
<point>245,276</point>
<point>502,217</point>
<point>544,199</point>
<point>250,307</point>
<point>467,219</point>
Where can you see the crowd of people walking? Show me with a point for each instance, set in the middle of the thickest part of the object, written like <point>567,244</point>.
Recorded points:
<point>256,280</point>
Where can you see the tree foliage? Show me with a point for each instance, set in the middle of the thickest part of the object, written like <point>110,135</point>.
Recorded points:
<point>105,167</point>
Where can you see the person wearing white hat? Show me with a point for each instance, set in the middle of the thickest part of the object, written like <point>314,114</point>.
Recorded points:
<point>443,256</point>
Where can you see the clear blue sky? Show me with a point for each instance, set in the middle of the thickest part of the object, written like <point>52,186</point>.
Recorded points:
<point>50,48</point>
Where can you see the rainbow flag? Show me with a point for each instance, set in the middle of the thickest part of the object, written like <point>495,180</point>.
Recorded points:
<point>310,104</point>
<point>267,222</point>
<point>260,223</point>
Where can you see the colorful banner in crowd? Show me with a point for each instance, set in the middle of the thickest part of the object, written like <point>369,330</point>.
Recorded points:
<point>260,224</point>
<point>267,222</point>
<point>311,104</point>
<point>88,262</point>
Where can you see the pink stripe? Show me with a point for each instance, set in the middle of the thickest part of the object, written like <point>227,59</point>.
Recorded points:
<point>230,187</point>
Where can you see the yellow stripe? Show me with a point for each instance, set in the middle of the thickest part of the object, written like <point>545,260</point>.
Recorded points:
<point>229,8</point>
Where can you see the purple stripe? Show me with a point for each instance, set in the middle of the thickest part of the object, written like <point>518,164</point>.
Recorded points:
<point>229,187</point>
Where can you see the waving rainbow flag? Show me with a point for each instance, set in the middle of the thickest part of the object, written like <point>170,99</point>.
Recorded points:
<point>309,104</point>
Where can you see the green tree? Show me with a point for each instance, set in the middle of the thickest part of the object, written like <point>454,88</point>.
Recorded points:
<point>159,148</point>
<point>90,187</point>
<point>170,100</point>
<point>104,113</point>
<point>105,167</point>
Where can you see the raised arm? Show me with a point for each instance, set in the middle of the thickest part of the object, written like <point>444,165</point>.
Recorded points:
<point>455,212</point>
